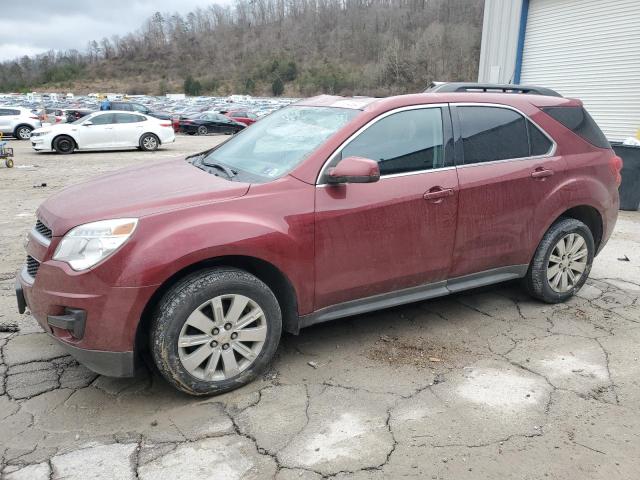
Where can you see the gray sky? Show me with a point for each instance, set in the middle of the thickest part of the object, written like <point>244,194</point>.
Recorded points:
<point>40,25</point>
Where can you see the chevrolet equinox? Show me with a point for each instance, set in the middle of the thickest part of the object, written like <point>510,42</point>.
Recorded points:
<point>327,208</point>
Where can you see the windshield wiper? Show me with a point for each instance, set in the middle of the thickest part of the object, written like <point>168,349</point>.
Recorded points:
<point>228,171</point>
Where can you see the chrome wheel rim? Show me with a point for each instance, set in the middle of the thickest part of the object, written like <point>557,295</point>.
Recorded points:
<point>567,263</point>
<point>222,337</point>
<point>24,133</point>
<point>149,143</point>
<point>202,130</point>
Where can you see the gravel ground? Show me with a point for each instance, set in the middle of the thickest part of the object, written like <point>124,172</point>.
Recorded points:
<point>483,385</point>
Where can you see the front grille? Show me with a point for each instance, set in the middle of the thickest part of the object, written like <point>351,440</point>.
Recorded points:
<point>43,230</point>
<point>32,266</point>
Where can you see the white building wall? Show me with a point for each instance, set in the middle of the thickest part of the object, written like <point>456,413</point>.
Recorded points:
<point>588,49</point>
<point>500,27</point>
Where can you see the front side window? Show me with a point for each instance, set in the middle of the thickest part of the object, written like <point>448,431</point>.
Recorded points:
<point>104,119</point>
<point>407,141</point>
<point>280,142</point>
<point>492,133</point>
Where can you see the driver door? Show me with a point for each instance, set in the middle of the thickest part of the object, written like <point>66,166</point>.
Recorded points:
<point>99,134</point>
<point>397,233</point>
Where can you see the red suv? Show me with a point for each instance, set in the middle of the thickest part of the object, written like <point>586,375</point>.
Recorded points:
<point>327,208</point>
<point>242,116</point>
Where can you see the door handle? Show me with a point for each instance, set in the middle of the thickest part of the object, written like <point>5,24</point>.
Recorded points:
<point>541,173</point>
<point>438,193</point>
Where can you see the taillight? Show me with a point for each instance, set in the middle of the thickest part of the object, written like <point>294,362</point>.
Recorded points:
<point>166,125</point>
<point>616,167</point>
<point>34,118</point>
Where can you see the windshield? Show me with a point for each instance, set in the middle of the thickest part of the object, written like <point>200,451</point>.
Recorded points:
<point>278,143</point>
<point>82,119</point>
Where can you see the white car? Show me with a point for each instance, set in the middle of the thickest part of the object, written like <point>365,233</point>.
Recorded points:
<point>104,130</point>
<point>18,121</point>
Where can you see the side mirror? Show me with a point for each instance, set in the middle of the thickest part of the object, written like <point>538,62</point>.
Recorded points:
<point>88,123</point>
<point>354,170</point>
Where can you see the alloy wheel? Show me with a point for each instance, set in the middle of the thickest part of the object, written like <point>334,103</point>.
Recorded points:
<point>24,133</point>
<point>222,337</point>
<point>150,143</point>
<point>567,262</point>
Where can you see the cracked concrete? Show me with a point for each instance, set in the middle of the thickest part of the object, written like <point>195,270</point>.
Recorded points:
<point>482,385</point>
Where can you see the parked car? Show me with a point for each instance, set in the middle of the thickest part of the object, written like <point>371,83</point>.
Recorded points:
<point>328,208</point>
<point>104,130</point>
<point>209,122</point>
<point>139,108</point>
<point>74,114</point>
<point>242,116</point>
<point>18,122</point>
<point>53,115</point>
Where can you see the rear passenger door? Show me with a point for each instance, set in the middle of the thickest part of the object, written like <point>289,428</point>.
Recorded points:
<point>127,129</point>
<point>506,168</point>
<point>5,120</point>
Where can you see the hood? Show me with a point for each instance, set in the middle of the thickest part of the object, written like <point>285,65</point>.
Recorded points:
<point>136,192</point>
<point>56,127</point>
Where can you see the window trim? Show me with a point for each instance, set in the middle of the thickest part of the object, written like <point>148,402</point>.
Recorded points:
<point>458,134</point>
<point>337,151</point>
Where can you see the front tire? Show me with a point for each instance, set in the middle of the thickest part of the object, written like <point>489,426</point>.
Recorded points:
<point>215,331</point>
<point>64,145</point>
<point>203,130</point>
<point>562,262</point>
<point>149,142</point>
<point>23,132</point>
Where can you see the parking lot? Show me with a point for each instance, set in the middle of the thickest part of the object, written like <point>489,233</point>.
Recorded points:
<point>482,385</point>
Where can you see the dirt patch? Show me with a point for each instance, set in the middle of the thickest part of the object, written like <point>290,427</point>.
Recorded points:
<point>419,352</point>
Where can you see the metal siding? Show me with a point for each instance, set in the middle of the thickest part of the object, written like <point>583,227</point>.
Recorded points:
<point>500,29</point>
<point>588,49</point>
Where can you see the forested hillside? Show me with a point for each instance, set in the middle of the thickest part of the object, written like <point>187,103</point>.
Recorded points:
<point>292,47</point>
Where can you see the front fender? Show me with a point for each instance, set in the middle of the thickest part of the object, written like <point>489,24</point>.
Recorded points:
<point>167,243</point>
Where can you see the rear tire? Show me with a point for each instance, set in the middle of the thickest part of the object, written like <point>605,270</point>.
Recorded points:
<point>149,142</point>
<point>562,262</point>
<point>198,340</point>
<point>23,132</point>
<point>64,145</point>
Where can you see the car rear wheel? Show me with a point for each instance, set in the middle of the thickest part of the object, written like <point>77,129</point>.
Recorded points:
<point>562,262</point>
<point>215,331</point>
<point>203,130</point>
<point>64,145</point>
<point>23,132</point>
<point>149,142</point>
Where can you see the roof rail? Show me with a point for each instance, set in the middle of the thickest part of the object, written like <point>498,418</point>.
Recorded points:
<point>489,87</point>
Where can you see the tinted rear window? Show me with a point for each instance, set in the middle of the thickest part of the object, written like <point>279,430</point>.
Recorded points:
<point>578,120</point>
<point>539,144</point>
<point>492,133</point>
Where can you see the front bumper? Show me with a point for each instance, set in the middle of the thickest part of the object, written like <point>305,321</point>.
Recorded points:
<point>94,322</point>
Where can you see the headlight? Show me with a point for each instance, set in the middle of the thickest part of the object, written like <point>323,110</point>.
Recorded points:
<point>88,244</point>
<point>40,133</point>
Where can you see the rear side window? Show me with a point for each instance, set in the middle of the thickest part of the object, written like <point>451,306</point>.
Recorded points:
<point>408,141</point>
<point>492,133</point>
<point>578,120</point>
<point>538,141</point>
<point>128,118</point>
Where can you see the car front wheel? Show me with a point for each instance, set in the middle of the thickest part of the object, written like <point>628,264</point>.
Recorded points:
<point>562,262</point>
<point>64,145</point>
<point>215,331</point>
